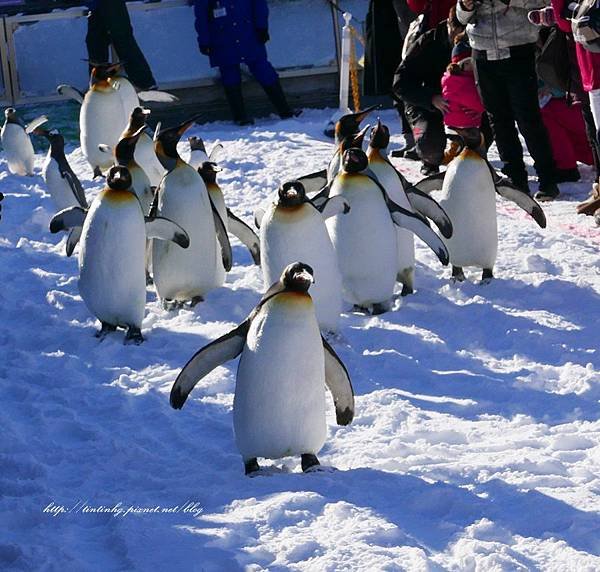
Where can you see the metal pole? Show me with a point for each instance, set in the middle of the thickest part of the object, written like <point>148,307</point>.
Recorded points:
<point>345,64</point>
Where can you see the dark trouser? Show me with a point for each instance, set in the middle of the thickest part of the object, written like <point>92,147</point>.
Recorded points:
<point>261,69</point>
<point>430,136</point>
<point>405,16</point>
<point>109,24</point>
<point>508,90</point>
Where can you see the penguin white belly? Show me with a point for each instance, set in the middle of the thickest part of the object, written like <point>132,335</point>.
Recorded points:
<point>197,157</point>
<point>146,158</point>
<point>218,200</point>
<point>140,183</point>
<point>101,121</point>
<point>111,259</point>
<point>365,242</point>
<point>288,235</point>
<point>18,149</point>
<point>406,241</point>
<point>181,274</point>
<point>58,187</point>
<point>129,97</point>
<point>469,198</point>
<point>279,404</point>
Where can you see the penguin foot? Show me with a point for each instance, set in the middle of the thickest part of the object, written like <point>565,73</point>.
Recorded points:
<point>172,305</point>
<point>149,279</point>
<point>308,461</point>
<point>406,290</point>
<point>379,308</point>
<point>360,309</point>
<point>104,330</point>
<point>320,469</point>
<point>195,301</point>
<point>486,276</point>
<point>457,274</point>
<point>133,336</point>
<point>251,466</point>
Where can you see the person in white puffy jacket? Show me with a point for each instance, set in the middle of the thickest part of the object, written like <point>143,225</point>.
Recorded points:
<point>503,43</point>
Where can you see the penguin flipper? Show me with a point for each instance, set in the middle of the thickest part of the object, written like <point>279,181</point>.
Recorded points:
<point>216,353</point>
<point>156,95</point>
<point>34,124</point>
<point>217,153</point>
<point>334,206</point>
<point>321,197</point>
<point>338,382</point>
<point>429,207</point>
<point>418,226</point>
<point>314,182</point>
<point>259,213</point>
<point>67,219</point>
<point>70,92</point>
<point>73,239</point>
<point>429,184</point>
<point>507,190</point>
<point>223,238</point>
<point>247,236</point>
<point>76,187</point>
<point>164,229</point>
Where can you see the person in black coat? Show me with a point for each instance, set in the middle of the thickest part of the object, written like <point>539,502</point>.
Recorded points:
<point>386,26</point>
<point>109,23</point>
<point>232,32</point>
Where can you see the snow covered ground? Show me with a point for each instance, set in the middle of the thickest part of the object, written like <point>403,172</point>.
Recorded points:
<point>476,443</point>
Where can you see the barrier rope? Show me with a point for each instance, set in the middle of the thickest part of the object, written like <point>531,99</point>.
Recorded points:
<point>354,83</point>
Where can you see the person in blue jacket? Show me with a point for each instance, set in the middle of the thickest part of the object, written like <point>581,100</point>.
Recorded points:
<point>232,32</point>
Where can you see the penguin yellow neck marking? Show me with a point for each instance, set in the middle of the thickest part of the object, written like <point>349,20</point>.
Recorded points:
<point>285,212</point>
<point>374,155</point>
<point>470,154</point>
<point>293,298</point>
<point>113,196</point>
<point>102,85</point>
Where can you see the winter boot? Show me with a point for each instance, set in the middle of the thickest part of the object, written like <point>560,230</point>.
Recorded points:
<point>547,192</point>
<point>277,97</point>
<point>409,146</point>
<point>236,104</point>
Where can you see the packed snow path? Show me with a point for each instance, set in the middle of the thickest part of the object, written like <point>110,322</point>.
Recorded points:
<point>476,442</point>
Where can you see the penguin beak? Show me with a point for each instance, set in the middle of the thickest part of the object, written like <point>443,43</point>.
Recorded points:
<point>156,132</point>
<point>304,277</point>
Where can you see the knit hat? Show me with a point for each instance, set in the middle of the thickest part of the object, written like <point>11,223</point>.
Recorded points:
<point>461,51</point>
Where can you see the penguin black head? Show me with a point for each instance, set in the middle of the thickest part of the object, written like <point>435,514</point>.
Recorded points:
<point>348,124</point>
<point>125,148</point>
<point>297,277</point>
<point>208,171</point>
<point>291,194</point>
<point>56,140</point>
<point>138,118</point>
<point>355,140</point>
<point>196,144</point>
<point>118,178</point>
<point>354,160</point>
<point>380,136</point>
<point>165,141</point>
<point>11,115</point>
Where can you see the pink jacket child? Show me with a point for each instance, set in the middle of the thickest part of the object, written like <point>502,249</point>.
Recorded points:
<point>460,92</point>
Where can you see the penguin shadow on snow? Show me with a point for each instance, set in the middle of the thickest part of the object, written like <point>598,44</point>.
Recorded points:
<point>428,515</point>
<point>403,350</point>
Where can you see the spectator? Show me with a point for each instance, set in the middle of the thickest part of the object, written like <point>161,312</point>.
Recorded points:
<point>465,109</point>
<point>434,11</point>
<point>417,83</point>
<point>231,32</point>
<point>386,26</point>
<point>108,23</point>
<point>566,129</point>
<point>503,42</point>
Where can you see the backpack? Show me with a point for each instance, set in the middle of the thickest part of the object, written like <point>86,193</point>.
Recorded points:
<point>585,24</point>
<point>552,61</point>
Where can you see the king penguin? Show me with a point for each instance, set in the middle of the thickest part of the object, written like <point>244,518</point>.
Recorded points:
<point>365,239</point>
<point>111,258</point>
<point>102,119</point>
<point>394,184</point>
<point>292,228</point>
<point>145,155</point>
<point>182,196</point>
<point>17,145</point>
<point>279,402</point>
<point>469,197</point>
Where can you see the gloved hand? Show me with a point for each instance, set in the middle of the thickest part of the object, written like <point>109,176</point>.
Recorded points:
<point>263,35</point>
<point>205,50</point>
